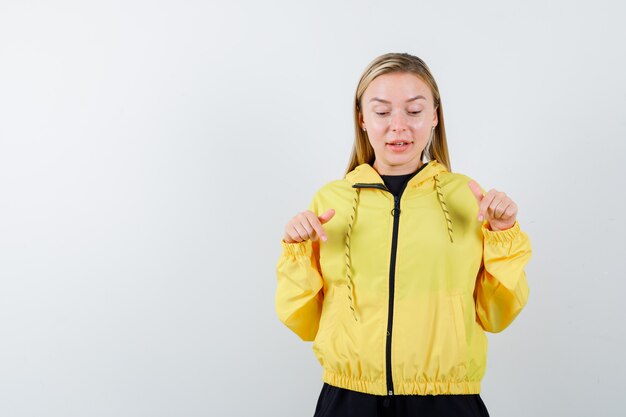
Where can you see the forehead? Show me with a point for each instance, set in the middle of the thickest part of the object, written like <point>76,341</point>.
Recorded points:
<point>397,87</point>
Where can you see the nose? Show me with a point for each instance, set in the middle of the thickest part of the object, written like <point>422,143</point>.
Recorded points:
<point>397,123</point>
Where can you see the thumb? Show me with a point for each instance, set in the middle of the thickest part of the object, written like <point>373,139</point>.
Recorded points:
<point>478,193</point>
<point>324,218</point>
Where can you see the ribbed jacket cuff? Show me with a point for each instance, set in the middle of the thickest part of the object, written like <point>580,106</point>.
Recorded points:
<point>501,236</point>
<point>295,250</point>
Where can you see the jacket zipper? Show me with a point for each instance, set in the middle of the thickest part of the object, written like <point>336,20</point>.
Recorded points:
<point>392,280</point>
<point>392,276</point>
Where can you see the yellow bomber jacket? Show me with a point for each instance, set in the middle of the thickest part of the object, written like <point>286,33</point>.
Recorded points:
<point>398,298</point>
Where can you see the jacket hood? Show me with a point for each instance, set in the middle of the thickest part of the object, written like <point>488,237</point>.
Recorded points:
<point>365,176</point>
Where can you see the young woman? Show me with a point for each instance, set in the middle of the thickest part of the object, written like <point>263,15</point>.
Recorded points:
<point>397,270</point>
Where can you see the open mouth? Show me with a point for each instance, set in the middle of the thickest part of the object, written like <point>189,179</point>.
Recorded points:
<point>399,146</point>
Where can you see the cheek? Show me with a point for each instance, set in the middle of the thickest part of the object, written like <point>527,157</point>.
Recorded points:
<point>421,124</point>
<point>377,125</point>
<point>375,141</point>
<point>376,132</point>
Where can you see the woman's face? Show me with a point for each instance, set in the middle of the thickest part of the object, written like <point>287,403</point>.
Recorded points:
<point>397,107</point>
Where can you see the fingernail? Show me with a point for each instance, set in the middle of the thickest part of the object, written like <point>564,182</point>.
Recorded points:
<point>324,238</point>
<point>480,218</point>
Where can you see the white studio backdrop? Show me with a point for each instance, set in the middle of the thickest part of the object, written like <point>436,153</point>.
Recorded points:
<point>152,152</point>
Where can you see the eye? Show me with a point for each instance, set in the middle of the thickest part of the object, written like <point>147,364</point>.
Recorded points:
<point>415,112</point>
<point>382,114</point>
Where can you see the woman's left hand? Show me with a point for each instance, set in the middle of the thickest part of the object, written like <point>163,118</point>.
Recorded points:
<point>495,206</point>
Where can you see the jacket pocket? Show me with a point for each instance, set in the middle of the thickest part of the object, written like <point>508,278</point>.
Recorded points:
<point>328,320</point>
<point>458,315</point>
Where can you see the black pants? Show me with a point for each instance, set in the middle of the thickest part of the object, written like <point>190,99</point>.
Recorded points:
<point>340,402</point>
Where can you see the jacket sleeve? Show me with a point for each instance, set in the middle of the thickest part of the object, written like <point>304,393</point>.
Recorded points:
<point>299,294</point>
<point>501,288</point>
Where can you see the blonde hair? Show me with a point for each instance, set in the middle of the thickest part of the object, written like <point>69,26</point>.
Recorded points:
<point>362,151</point>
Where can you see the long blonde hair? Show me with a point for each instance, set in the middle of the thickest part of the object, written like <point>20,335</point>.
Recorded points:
<point>362,151</point>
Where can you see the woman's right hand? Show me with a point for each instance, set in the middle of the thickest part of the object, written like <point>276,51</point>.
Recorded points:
<point>306,225</point>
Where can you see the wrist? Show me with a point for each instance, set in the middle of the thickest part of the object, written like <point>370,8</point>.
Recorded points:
<point>498,229</point>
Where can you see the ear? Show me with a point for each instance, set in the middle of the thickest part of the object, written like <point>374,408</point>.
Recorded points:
<point>361,124</point>
<point>435,119</point>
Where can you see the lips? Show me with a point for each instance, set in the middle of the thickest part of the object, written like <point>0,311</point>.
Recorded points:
<point>399,142</point>
<point>399,146</point>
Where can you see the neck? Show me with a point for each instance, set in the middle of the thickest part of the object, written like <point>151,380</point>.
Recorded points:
<point>396,170</point>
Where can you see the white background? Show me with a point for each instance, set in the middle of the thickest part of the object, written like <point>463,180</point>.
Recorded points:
<point>151,153</point>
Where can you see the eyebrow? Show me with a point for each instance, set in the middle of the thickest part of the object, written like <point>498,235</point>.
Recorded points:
<point>388,102</point>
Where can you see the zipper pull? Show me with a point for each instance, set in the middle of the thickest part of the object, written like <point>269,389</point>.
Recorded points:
<point>396,206</point>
